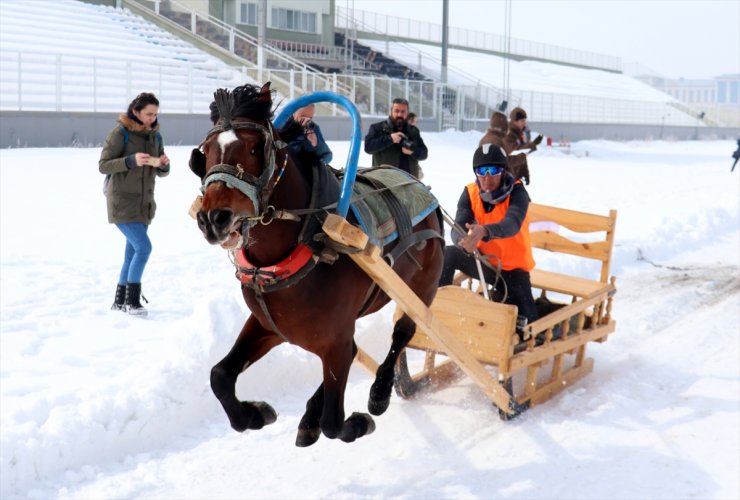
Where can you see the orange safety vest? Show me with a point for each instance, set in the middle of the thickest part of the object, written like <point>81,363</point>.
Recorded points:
<point>515,252</point>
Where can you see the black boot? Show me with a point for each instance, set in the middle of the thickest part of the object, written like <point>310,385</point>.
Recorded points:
<point>120,299</point>
<point>133,306</point>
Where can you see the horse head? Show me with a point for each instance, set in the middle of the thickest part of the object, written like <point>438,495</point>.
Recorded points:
<point>239,163</point>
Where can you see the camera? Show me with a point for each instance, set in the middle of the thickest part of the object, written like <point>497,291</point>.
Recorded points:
<point>309,125</point>
<point>407,144</point>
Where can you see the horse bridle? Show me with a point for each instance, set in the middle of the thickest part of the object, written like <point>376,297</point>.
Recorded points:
<point>257,189</point>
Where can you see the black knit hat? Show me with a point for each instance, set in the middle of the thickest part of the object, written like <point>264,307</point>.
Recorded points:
<point>489,154</point>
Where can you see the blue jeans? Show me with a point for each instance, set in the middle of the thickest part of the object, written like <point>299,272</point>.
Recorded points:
<point>138,249</point>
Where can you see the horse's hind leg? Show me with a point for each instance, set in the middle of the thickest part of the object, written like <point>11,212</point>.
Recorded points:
<point>253,343</point>
<point>380,392</point>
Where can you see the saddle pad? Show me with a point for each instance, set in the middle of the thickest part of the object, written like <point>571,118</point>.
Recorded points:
<point>371,211</point>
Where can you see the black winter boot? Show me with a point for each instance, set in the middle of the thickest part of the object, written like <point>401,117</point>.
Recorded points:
<point>133,306</point>
<point>120,299</point>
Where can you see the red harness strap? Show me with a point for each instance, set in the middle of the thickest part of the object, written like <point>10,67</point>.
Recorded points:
<point>249,274</point>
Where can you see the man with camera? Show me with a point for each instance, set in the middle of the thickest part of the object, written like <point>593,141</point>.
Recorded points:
<point>394,142</point>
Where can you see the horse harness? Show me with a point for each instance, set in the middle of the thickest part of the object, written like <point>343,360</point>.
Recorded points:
<point>313,245</point>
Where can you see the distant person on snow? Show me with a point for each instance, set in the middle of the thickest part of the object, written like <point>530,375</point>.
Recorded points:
<point>495,134</point>
<point>516,139</point>
<point>736,155</point>
<point>132,158</point>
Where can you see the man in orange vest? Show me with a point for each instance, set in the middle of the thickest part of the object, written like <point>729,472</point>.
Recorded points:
<point>493,210</point>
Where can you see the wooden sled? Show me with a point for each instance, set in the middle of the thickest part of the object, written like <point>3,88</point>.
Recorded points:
<point>556,341</point>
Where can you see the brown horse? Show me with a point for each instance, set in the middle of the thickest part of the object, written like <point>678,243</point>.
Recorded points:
<point>257,202</point>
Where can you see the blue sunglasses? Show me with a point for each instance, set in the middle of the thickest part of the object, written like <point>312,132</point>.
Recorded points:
<point>488,170</point>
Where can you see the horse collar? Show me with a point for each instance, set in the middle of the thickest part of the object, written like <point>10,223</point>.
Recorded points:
<point>276,276</point>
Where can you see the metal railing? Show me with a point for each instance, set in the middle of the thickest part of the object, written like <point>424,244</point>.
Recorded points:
<point>235,42</point>
<point>424,32</point>
<point>40,81</point>
<point>61,82</point>
<point>37,80</point>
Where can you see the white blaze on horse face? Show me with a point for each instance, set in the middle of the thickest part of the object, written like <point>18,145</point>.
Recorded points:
<point>224,139</point>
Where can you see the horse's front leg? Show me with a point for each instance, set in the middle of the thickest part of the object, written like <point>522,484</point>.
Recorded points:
<point>336,362</point>
<point>380,391</point>
<point>253,342</point>
<point>309,429</point>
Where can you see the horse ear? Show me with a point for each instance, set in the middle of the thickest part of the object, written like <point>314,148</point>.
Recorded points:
<point>265,93</point>
<point>198,163</point>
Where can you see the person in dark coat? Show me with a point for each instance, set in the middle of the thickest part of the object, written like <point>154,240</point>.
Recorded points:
<point>496,131</point>
<point>305,140</point>
<point>495,134</point>
<point>736,155</point>
<point>516,137</point>
<point>132,158</point>
<point>394,142</point>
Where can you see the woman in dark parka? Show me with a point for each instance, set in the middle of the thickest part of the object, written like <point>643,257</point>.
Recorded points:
<point>132,158</point>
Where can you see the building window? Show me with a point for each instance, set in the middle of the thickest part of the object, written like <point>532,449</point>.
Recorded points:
<point>733,92</point>
<point>294,20</point>
<point>721,91</point>
<point>248,13</point>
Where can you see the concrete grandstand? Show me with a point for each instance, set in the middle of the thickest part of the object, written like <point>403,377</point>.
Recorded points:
<point>86,61</point>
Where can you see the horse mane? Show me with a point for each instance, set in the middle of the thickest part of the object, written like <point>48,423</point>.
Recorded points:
<point>245,101</point>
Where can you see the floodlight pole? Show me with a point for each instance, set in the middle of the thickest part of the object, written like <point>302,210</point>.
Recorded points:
<point>445,38</point>
<point>261,36</point>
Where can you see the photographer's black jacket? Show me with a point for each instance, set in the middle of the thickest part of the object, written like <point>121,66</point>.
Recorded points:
<point>378,143</point>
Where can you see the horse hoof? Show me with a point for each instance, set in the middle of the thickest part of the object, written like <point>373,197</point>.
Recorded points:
<point>254,415</point>
<point>307,437</point>
<point>377,407</point>
<point>357,425</point>
<point>268,414</point>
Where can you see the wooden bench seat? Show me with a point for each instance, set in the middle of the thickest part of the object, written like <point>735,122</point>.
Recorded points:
<point>569,285</point>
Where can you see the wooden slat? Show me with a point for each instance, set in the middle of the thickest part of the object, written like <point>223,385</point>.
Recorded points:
<point>553,242</point>
<point>484,327</point>
<point>543,352</point>
<point>580,222</point>
<point>547,391</point>
<point>570,285</point>
<point>367,362</point>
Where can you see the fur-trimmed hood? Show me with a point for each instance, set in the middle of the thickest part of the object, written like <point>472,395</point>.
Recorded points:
<point>134,126</point>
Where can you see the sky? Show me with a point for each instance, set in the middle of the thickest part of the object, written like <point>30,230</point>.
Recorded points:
<point>676,38</point>
<point>98,404</point>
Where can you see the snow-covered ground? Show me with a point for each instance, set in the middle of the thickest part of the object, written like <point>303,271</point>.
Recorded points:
<point>96,404</point>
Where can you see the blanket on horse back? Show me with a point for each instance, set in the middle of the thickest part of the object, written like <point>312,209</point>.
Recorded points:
<point>388,202</point>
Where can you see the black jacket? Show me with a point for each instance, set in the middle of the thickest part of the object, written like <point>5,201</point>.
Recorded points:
<point>378,143</point>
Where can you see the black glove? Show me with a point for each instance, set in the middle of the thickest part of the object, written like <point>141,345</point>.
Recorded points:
<point>537,140</point>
